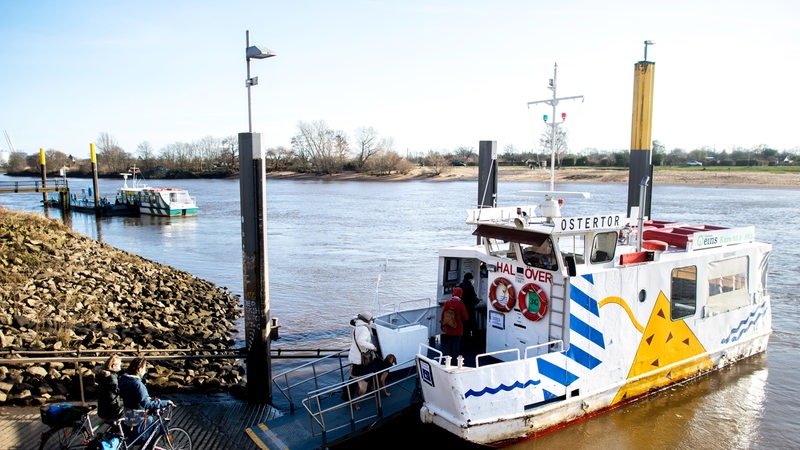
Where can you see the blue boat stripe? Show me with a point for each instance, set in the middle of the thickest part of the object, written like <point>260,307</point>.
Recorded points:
<point>502,387</point>
<point>555,373</point>
<point>581,357</point>
<point>589,277</point>
<point>585,330</point>
<point>582,299</point>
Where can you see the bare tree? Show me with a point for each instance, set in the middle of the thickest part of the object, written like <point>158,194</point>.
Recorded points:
<point>55,160</point>
<point>17,162</point>
<point>560,142</point>
<point>367,145</point>
<point>278,158</point>
<point>146,155</point>
<point>437,161</point>
<point>110,155</point>
<point>229,156</point>
<point>465,154</point>
<point>319,148</point>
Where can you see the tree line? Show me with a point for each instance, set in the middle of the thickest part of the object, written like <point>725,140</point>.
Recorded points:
<point>316,148</point>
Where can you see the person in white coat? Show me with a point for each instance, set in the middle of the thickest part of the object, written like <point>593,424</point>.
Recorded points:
<point>361,343</point>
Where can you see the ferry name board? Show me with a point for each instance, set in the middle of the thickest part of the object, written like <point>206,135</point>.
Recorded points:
<point>727,236</point>
<point>587,223</point>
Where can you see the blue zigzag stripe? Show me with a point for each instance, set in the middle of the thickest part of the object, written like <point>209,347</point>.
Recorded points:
<point>555,373</point>
<point>582,357</point>
<point>586,330</point>
<point>502,387</point>
<point>582,299</point>
<point>737,332</point>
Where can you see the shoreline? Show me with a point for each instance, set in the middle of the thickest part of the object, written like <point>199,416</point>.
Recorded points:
<point>699,177</point>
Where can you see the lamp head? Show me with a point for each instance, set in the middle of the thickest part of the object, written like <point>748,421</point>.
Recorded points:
<point>256,52</point>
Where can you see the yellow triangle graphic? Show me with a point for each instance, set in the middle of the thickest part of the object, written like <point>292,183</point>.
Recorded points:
<point>667,343</point>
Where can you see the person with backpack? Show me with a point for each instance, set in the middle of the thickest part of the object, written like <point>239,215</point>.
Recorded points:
<point>109,403</point>
<point>454,314</point>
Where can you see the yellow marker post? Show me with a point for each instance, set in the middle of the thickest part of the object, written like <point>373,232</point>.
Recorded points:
<point>641,170</point>
<point>93,156</point>
<point>43,170</point>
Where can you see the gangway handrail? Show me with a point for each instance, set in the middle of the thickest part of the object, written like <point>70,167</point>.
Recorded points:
<point>286,388</point>
<point>515,351</point>
<point>317,412</point>
<point>426,304</point>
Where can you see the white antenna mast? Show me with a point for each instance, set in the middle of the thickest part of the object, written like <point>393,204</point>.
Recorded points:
<point>10,144</point>
<point>554,102</point>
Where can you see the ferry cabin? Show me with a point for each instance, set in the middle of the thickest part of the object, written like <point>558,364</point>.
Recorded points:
<point>159,201</point>
<point>581,316</point>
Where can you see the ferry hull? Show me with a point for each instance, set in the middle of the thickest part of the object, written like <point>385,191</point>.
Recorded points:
<point>500,430</point>
<point>605,325</point>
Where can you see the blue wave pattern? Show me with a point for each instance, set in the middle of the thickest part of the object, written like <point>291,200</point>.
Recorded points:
<point>586,305</point>
<point>745,325</point>
<point>502,387</point>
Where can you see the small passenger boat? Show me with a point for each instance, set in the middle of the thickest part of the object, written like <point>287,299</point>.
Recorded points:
<point>166,202</point>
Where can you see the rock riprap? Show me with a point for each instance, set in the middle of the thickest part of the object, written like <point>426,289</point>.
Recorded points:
<point>61,291</point>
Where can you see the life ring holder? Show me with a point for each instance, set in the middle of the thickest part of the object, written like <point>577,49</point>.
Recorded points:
<point>524,304</point>
<point>509,289</point>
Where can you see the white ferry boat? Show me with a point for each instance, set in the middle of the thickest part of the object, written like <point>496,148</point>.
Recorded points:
<point>580,313</point>
<point>588,312</point>
<point>167,202</point>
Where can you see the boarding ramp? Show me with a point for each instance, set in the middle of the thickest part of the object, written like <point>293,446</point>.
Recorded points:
<point>332,412</point>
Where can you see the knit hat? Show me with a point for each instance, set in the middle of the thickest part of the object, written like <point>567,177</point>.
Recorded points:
<point>365,316</point>
<point>458,292</point>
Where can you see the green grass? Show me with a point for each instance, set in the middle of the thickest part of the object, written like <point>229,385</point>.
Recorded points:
<point>729,169</point>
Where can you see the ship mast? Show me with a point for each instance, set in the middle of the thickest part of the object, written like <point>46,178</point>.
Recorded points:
<point>554,102</point>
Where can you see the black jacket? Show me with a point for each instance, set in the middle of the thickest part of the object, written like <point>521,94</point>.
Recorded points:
<point>469,297</point>
<point>109,404</point>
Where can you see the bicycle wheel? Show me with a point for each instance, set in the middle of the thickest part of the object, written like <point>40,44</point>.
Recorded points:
<point>175,439</point>
<point>64,438</point>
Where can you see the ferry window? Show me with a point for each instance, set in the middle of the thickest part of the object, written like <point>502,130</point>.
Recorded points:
<point>500,249</point>
<point>727,285</point>
<point>542,256</point>
<point>684,292</point>
<point>604,246</point>
<point>572,246</point>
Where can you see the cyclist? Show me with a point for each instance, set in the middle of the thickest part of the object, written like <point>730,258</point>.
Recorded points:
<point>134,393</point>
<point>109,404</point>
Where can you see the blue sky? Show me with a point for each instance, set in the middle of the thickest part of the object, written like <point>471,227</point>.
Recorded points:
<point>431,75</point>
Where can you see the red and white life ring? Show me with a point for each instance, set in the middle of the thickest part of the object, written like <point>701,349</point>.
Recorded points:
<point>532,302</point>
<point>505,301</point>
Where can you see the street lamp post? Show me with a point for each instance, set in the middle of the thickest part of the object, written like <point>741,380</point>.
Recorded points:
<point>252,191</point>
<point>253,52</point>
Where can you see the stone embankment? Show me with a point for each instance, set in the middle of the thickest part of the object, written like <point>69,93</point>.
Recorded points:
<point>60,291</point>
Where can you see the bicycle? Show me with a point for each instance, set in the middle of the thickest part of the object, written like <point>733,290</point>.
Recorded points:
<point>70,427</point>
<point>157,435</point>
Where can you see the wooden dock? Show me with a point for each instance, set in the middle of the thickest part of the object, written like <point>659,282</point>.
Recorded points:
<point>28,187</point>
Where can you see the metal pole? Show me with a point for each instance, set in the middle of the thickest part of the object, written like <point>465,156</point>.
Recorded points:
<point>553,136</point>
<point>553,102</point>
<point>249,115</point>
<point>95,181</point>
<point>252,189</point>
<point>43,169</point>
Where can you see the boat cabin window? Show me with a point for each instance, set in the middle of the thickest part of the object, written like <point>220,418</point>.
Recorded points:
<point>727,285</point>
<point>500,249</point>
<point>604,246</point>
<point>572,246</point>
<point>683,300</point>
<point>542,256</point>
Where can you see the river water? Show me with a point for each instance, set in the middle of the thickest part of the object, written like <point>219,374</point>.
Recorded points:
<point>336,248</point>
